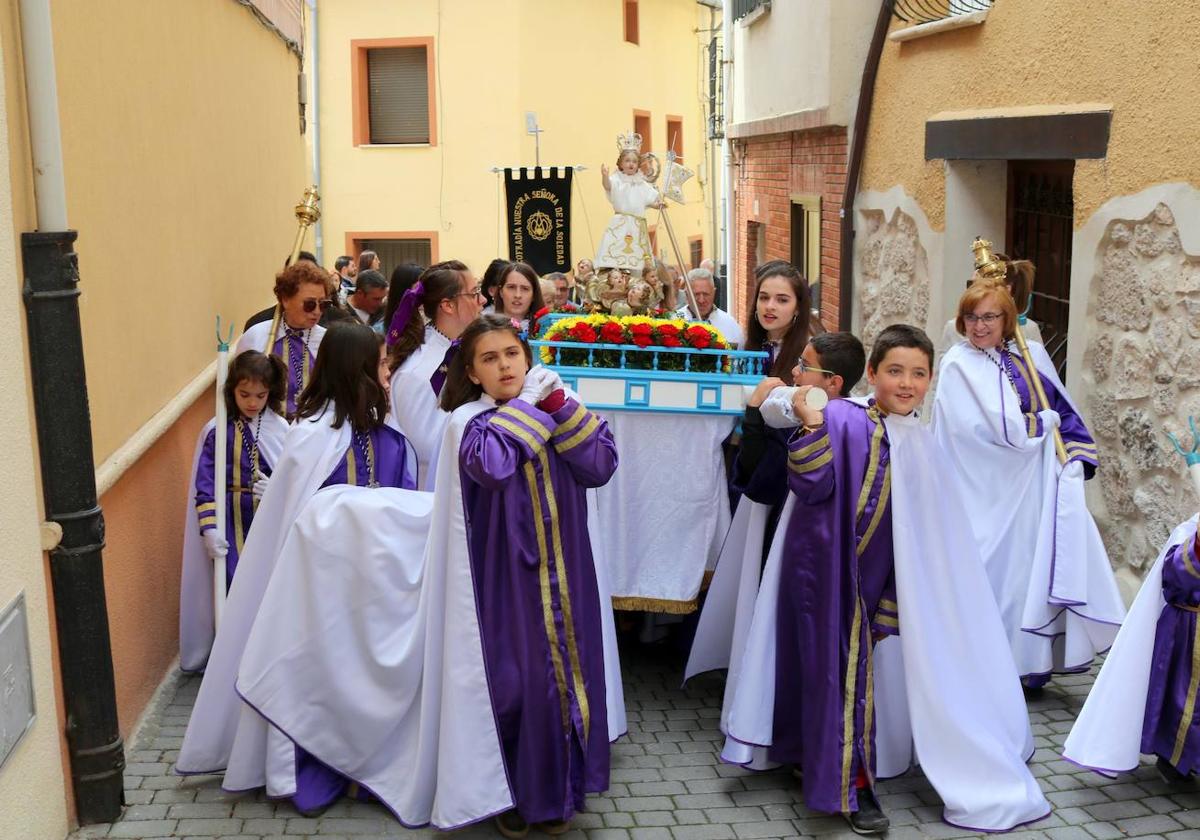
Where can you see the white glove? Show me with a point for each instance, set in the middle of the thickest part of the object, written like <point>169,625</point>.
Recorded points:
<point>555,382</point>
<point>536,387</point>
<point>260,486</point>
<point>215,545</point>
<point>1050,419</point>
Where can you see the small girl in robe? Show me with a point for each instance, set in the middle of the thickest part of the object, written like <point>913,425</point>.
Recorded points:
<point>526,458</point>
<point>254,393</point>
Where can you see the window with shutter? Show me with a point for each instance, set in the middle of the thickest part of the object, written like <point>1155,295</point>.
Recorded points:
<point>396,249</point>
<point>695,250</point>
<point>393,92</point>
<point>398,95</point>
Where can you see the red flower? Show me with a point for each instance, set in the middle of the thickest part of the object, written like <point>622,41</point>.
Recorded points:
<point>642,334</point>
<point>665,330</point>
<point>543,311</point>
<point>612,333</point>
<point>583,333</point>
<point>698,337</point>
<point>671,341</point>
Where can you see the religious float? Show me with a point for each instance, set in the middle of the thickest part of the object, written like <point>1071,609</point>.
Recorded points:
<point>672,391</point>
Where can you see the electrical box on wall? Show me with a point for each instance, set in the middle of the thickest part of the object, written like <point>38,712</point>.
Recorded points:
<point>17,710</point>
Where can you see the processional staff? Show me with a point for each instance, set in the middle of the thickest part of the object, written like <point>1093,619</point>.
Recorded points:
<point>307,214</point>
<point>987,266</point>
<point>220,581</point>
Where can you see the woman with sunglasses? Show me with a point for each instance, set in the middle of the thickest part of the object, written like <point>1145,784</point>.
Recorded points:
<point>1042,552</point>
<point>422,338</point>
<point>293,334</point>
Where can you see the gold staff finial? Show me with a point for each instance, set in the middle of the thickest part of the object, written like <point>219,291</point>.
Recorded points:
<point>307,214</point>
<point>986,264</point>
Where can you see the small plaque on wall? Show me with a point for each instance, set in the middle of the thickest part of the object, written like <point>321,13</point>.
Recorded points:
<point>17,710</point>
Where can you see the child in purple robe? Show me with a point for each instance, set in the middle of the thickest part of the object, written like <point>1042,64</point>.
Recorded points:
<point>254,393</point>
<point>1171,729</point>
<point>254,436</point>
<point>526,460</point>
<point>347,382</point>
<point>831,613</point>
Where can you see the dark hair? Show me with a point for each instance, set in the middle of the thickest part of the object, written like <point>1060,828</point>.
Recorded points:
<point>536,302</point>
<point>842,353</point>
<point>370,279</point>
<point>491,277</point>
<point>459,389</point>
<point>288,281</point>
<point>797,334</point>
<point>341,262</point>
<point>441,281</point>
<point>346,375</point>
<point>303,256</point>
<point>900,335</point>
<point>253,366</point>
<point>365,259</point>
<point>403,277</point>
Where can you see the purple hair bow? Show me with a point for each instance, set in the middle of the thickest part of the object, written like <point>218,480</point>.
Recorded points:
<point>404,312</point>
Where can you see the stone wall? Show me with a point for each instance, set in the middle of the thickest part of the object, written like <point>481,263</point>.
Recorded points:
<point>1141,370</point>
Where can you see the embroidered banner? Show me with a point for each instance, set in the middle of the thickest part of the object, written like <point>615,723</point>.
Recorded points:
<point>539,217</point>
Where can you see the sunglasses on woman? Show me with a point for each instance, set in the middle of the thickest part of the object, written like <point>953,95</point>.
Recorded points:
<point>311,304</point>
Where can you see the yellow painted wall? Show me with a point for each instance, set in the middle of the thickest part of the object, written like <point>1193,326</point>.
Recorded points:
<point>1030,52</point>
<point>565,59</point>
<point>32,790</point>
<point>183,159</point>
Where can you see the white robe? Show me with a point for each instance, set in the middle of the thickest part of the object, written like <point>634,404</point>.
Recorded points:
<point>196,579</point>
<point>1107,735</point>
<point>1040,546</point>
<point>224,733</point>
<point>415,406</point>
<point>260,337</point>
<point>945,688</point>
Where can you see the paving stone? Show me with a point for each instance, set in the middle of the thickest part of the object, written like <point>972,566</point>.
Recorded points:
<point>654,818</point>
<point>210,828</point>
<point>142,829</point>
<point>1140,826</point>
<point>702,832</point>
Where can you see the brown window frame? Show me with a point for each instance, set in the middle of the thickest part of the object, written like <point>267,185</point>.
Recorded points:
<point>673,120</point>
<point>631,23</point>
<point>648,123</point>
<point>360,89</point>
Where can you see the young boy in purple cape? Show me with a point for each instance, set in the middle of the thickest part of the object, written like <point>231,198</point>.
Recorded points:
<point>830,612</point>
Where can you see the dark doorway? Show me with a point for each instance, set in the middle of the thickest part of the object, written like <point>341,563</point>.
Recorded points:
<point>1041,212</point>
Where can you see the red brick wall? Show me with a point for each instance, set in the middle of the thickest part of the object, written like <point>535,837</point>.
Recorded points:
<point>770,170</point>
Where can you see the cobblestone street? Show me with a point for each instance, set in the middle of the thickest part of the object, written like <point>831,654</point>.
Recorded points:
<point>667,783</point>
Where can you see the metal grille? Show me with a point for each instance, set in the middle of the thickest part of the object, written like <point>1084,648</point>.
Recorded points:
<point>1041,212</point>
<point>927,11</point>
<point>394,252</point>
<point>741,8</point>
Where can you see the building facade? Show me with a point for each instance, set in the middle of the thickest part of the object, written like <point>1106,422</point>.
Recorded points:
<point>420,103</point>
<point>797,68</point>
<point>1060,132</point>
<point>182,153</point>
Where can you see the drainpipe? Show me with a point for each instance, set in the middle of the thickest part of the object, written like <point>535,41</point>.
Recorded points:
<point>727,220</point>
<point>858,145</point>
<point>314,120</point>
<point>64,431</point>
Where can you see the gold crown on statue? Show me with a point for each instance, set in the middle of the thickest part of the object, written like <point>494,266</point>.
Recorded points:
<point>986,264</point>
<point>629,141</point>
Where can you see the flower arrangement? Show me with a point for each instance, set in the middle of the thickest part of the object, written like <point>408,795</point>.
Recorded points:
<point>636,330</point>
